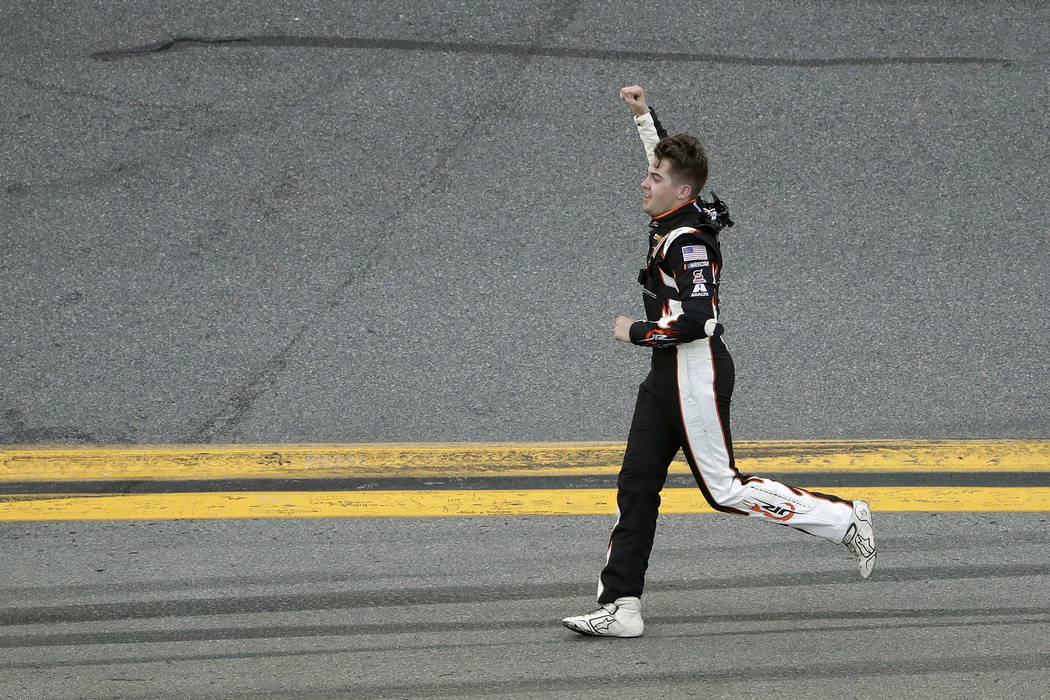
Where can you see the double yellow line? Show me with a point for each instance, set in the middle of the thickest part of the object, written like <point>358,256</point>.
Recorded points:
<point>810,461</point>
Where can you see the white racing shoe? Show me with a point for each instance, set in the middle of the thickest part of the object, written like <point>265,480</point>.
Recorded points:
<point>860,538</point>
<point>622,618</point>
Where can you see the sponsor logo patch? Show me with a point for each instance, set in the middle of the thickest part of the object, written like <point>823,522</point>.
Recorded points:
<point>694,265</point>
<point>781,513</point>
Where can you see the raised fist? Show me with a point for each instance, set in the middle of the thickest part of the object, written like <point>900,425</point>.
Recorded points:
<point>634,96</point>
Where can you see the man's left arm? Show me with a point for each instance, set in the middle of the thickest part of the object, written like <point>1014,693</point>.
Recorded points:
<point>650,130</point>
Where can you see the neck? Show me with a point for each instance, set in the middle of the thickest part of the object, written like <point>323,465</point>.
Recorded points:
<point>671,211</point>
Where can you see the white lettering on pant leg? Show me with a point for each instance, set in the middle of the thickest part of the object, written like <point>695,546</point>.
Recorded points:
<point>774,500</point>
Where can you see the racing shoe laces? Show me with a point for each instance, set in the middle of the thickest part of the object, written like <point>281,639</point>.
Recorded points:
<point>860,538</point>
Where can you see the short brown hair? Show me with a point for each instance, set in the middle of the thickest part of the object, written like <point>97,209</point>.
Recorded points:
<point>688,160</point>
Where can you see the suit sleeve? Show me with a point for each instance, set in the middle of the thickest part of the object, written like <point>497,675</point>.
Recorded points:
<point>694,314</point>
<point>647,133</point>
<point>661,132</point>
<point>650,131</point>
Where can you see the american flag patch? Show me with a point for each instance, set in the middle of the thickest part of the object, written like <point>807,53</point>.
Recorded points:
<point>694,252</point>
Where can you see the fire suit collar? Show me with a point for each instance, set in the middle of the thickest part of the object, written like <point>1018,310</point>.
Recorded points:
<point>670,219</point>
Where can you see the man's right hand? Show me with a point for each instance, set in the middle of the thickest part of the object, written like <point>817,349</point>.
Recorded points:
<point>634,96</point>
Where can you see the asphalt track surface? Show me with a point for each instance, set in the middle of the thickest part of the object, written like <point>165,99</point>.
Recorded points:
<point>469,607</point>
<point>442,570</point>
<point>391,222</point>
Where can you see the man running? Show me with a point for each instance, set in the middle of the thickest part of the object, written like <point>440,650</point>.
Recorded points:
<point>683,403</point>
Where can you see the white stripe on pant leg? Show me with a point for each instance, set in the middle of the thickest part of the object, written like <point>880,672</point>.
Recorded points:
<point>760,498</point>
<point>608,555</point>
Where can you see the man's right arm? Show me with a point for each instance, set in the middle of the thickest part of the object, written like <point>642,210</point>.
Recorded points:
<point>696,278</point>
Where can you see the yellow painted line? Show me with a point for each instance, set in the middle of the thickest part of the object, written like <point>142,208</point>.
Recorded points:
<point>360,504</point>
<point>174,462</point>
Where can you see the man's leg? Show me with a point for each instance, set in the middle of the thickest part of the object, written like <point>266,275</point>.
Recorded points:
<point>651,445</point>
<point>706,385</point>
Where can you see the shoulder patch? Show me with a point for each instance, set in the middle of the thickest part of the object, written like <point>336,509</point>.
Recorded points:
<point>694,252</point>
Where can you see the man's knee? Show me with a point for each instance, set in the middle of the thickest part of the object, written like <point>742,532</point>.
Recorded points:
<point>636,502</point>
<point>722,493</point>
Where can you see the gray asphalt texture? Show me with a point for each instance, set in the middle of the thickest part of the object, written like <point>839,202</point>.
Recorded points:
<point>470,607</point>
<point>387,221</point>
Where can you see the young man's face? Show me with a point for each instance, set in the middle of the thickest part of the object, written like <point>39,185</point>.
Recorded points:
<point>660,193</point>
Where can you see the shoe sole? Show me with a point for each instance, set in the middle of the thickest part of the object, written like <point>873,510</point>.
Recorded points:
<point>589,633</point>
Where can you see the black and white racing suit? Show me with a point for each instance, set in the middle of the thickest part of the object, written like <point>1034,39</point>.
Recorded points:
<point>684,404</point>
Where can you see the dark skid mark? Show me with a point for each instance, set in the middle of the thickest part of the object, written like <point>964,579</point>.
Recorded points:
<point>688,681</point>
<point>811,621</point>
<point>348,600</point>
<point>232,411</point>
<point>234,633</point>
<point>260,655</point>
<point>431,646</point>
<point>313,578</point>
<point>324,42</point>
<point>16,430</point>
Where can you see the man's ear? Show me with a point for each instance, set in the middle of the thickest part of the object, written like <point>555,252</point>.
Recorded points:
<point>685,192</point>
